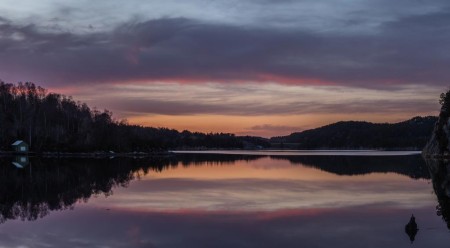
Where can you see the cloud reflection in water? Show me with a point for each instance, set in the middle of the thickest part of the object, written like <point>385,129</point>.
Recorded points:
<point>198,201</point>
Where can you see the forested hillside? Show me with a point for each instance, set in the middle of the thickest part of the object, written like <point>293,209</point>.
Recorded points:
<point>410,134</point>
<point>54,122</point>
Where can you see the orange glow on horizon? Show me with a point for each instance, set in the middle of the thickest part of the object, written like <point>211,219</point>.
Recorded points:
<point>242,125</point>
<point>267,109</point>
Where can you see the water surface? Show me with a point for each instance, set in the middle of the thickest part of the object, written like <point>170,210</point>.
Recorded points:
<point>371,153</point>
<point>224,200</point>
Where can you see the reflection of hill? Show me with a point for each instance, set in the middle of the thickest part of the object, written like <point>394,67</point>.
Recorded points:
<point>439,170</point>
<point>412,166</point>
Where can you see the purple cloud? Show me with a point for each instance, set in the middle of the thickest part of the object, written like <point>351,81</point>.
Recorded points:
<point>403,51</point>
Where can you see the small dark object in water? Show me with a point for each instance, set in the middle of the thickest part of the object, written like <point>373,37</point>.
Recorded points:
<point>411,228</point>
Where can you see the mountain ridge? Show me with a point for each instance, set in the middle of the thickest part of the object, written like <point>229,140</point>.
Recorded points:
<point>410,134</point>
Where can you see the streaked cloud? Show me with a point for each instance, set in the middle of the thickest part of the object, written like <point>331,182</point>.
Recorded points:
<point>255,109</point>
<point>254,99</point>
<point>275,128</point>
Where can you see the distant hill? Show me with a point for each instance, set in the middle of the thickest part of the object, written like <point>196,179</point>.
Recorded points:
<point>410,134</point>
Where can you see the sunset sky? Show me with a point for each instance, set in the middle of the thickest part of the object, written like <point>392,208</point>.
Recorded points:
<point>258,67</point>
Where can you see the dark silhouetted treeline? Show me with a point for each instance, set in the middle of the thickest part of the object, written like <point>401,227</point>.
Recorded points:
<point>54,122</point>
<point>410,134</point>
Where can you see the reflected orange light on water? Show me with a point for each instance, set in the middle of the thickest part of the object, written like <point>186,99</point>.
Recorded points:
<point>261,185</point>
<point>265,168</point>
<point>245,125</point>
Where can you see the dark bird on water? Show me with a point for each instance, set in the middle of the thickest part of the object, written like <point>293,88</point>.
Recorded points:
<point>411,228</point>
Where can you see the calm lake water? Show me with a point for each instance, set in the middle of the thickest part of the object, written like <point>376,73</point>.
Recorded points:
<point>238,199</point>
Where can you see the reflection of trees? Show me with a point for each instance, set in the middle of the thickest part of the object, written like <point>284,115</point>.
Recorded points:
<point>47,185</point>
<point>56,184</point>
<point>441,184</point>
<point>412,166</point>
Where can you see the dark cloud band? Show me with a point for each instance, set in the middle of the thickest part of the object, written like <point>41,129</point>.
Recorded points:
<point>404,51</point>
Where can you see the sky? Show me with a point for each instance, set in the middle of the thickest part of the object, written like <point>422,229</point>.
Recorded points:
<point>249,67</point>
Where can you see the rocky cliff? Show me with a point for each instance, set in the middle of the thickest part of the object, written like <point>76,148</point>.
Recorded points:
<point>439,146</point>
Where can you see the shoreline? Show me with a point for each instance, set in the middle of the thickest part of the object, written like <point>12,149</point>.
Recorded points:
<point>87,154</point>
<point>169,153</point>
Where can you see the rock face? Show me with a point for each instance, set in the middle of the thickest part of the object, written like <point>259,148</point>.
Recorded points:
<point>439,144</point>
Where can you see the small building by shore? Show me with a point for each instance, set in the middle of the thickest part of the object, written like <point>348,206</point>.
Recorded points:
<point>20,146</point>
